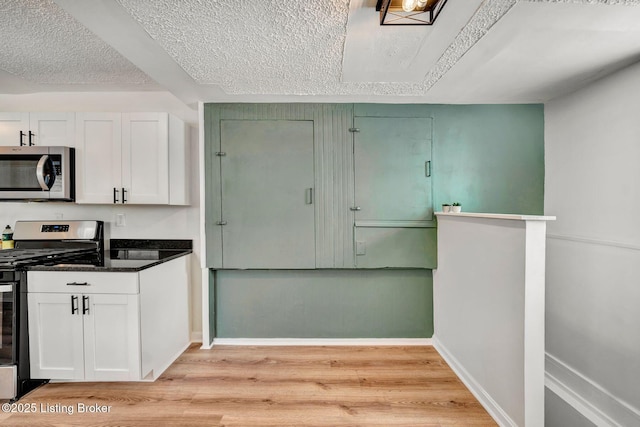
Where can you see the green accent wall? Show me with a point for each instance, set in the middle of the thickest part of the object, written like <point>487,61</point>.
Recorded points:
<point>324,303</point>
<point>490,158</point>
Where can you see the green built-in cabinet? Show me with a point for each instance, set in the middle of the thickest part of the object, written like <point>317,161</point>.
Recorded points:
<point>304,186</point>
<point>393,202</point>
<point>267,182</point>
<point>286,182</point>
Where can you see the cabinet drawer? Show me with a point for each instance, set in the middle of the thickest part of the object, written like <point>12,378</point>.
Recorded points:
<point>82,282</point>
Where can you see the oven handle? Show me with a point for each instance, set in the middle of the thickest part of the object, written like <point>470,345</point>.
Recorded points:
<point>6,288</point>
<point>43,180</point>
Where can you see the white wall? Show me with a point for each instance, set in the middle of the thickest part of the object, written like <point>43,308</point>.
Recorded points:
<point>488,298</point>
<point>592,185</point>
<point>155,222</point>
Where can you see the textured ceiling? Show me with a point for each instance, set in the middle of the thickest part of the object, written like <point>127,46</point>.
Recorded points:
<point>268,50</point>
<point>42,44</point>
<point>255,46</point>
<point>297,48</point>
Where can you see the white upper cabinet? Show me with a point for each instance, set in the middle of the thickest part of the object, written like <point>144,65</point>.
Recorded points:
<point>43,129</point>
<point>145,158</point>
<point>125,158</point>
<point>98,154</point>
<point>13,127</point>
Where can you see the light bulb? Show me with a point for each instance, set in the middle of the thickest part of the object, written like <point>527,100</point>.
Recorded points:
<point>409,5</point>
<point>420,4</point>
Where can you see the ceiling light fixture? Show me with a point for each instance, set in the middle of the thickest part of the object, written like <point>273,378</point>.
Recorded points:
<point>409,12</point>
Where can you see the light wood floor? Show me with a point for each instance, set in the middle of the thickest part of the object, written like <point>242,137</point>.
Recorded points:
<point>275,386</point>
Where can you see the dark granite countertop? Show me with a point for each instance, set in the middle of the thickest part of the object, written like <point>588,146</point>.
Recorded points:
<point>130,255</point>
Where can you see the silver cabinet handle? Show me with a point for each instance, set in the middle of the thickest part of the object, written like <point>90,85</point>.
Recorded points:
<point>355,208</point>
<point>78,284</point>
<point>427,168</point>
<point>74,304</point>
<point>115,195</point>
<point>124,195</point>
<point>221,223</point>
<point>308,196</point>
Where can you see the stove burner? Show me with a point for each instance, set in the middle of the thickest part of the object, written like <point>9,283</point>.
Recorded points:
<point>16,258</point>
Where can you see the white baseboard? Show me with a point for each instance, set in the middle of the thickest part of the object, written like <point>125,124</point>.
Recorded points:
<point>196,336</point>
<point>492,407</point>
<point>370,342</point>
<point>587,397</point>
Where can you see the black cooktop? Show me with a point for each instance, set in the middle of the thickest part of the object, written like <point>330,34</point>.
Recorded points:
<point>16,258</point>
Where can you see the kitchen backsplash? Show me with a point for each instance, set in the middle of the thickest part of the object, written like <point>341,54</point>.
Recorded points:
<point>162,222</point>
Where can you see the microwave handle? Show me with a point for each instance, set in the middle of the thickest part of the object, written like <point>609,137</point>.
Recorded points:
<point>40,173</point>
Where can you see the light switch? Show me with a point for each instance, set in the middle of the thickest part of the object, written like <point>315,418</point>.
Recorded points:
<point>361,248</point>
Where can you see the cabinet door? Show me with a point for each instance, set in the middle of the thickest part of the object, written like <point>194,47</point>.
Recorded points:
<point>10,126</point>
<point>55,336</point>
<point>145,158</point>
<point>53,129</point>
<point>392,169</point>
<point>267,194</point>
<point>98,157</point>
<point>396,247</point>
<point>393,193</point>
<point>111,337</point>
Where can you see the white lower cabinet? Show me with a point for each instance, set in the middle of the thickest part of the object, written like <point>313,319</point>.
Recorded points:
<point>75,336</point>
<point>107,326</point>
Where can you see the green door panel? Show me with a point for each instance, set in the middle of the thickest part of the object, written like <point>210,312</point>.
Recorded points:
<point>267,201</point>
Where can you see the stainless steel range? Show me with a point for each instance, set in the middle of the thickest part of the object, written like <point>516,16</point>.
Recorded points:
<point>36,243</point>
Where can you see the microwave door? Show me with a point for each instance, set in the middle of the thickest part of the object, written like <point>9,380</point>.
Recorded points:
<point>37,173</point>
<point>25,175</point>
<point>45,173</point>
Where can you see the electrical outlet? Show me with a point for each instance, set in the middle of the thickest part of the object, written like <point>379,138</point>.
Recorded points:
<point>120,220</point>
<point>58,215</point>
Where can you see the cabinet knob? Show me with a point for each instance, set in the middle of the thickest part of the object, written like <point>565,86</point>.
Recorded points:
<point>355,208</point>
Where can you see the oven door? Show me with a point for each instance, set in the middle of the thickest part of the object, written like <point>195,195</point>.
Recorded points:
<point>7,318</point>
<point>8,350</point>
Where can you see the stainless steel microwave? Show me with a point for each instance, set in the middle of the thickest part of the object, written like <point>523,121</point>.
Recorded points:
<point>37,173</point>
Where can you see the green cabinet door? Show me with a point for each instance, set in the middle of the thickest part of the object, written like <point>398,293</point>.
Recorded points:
<point>267,194</point>
<point>393,203</point>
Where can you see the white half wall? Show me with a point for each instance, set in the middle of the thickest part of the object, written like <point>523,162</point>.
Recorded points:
<point>489,310</point>
<point>592,146</point>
